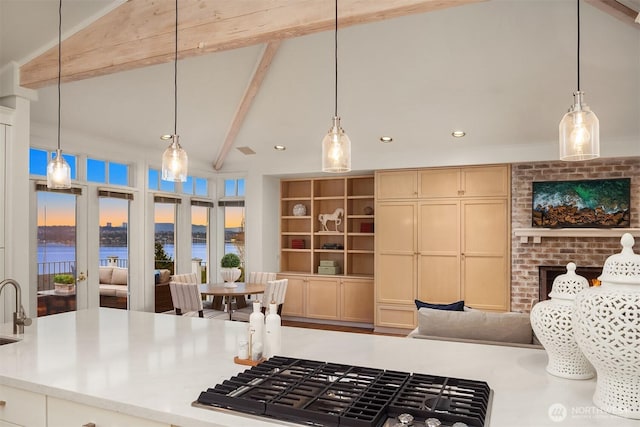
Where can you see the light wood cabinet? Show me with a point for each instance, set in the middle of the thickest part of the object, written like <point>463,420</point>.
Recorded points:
<point>63,413</point>
<point>396,252</point>
<point>356,296</point>
<point>22,408</point>
<point>323,298</point>
<point>397,184</point>
<point>470,181</point>
<point>335,298</point>
<point>439,252</point>
<point>449,243</point>
<point>294,299</point>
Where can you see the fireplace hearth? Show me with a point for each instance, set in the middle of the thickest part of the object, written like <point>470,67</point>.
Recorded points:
<point>547,273</point>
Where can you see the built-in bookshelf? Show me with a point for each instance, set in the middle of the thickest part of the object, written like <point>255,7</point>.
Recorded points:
<point>349,241</point>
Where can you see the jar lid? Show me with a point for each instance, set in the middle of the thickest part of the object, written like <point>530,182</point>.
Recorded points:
<point>567,285</point>
<point>622,268</point>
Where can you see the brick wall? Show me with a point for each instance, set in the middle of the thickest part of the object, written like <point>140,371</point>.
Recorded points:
<point>585,252</point>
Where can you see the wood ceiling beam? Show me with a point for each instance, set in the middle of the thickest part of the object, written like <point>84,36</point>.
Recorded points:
<point>247,99</point>
<point>618,10</point>
<point>141,32</point>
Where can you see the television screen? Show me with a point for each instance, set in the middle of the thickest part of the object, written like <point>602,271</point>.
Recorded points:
<point>602,203</point>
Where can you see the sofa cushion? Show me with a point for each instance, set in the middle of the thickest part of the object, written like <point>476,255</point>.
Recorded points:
<point>162,276</point>
<point>120,276</point>
<point>476,325</point>
<point>454,306</point>
<point>110,290</point>
<point>105,274</point>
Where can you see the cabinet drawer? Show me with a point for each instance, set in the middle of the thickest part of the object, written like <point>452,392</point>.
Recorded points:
<point>63,413</point>
<point>22,407</point>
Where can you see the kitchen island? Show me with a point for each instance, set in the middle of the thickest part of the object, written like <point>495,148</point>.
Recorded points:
<point>153,366</point>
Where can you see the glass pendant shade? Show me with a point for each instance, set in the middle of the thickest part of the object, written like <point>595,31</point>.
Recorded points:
<point>175,162</point>
<point>579,132</point>
<point>58,172</point>
<point>336,149</point>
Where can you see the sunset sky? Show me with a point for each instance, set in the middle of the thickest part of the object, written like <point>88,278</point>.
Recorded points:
<point>60,210</point>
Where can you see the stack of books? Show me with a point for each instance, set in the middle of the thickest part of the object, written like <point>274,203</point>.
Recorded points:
<point>297,244</point>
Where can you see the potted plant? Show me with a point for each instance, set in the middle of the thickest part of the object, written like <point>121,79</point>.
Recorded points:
<point>64,283</point>
<point>230,270</point>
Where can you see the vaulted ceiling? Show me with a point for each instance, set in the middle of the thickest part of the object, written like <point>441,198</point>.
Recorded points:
<point>260,72</point>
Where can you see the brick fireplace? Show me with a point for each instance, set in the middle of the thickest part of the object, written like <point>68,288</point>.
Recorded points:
<point>552,250</point>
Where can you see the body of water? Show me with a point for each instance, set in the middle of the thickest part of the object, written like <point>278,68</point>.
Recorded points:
<point>56,252</point>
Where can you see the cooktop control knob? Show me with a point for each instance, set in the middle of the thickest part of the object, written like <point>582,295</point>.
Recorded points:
<point>459,424</point>
<point>432,422</point>
<point>405,420</point>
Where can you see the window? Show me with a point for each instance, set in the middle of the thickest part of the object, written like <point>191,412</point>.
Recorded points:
<point>195,186</point>
<point>155,183</point>
<point>154,179</point>
<point>234,230</point>
<point>200,236</point>
<point>165,232</point>
<point>38,160</point>
<point>96,171</point>
<point>201,187</point>
<point>234,187</point>
<point>118,173</point>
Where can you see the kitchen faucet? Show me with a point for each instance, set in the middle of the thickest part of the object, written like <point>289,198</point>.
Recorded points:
<point>20,319</point>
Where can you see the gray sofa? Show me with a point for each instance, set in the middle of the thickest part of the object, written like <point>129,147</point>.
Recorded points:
<point>476,326</point>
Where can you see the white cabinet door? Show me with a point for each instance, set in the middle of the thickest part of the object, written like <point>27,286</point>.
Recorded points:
<point>22,408</point>
<point>63,413</point>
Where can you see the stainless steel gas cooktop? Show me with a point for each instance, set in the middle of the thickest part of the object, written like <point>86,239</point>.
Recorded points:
<point>316,393</point>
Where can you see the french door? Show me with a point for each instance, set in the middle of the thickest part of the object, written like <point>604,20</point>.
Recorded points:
<point>61,267</point>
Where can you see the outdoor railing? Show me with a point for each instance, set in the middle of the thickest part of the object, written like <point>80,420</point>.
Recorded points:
<point>47,270</point>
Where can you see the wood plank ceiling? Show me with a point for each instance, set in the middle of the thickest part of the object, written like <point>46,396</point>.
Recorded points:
<point>140,33</point>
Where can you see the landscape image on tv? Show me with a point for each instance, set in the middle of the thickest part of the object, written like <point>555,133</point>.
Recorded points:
<point>602,203</point>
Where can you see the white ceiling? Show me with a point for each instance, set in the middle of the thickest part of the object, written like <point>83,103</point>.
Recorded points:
<point>503,71</point>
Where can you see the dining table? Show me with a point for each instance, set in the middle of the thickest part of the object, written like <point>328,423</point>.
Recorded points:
<point>222,294</point>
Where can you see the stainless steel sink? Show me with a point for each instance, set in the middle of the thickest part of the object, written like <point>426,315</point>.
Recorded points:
<point>5,340</point>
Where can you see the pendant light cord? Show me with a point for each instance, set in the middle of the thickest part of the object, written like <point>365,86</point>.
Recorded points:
<point>175,79</point>
<point>578,67</point>
<point>335,50</point>
<point>59,63</point>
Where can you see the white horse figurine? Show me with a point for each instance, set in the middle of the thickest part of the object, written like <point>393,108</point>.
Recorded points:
<point>336,216</point>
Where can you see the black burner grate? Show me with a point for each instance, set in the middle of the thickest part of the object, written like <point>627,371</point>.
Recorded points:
<point>448,399</point>
<point>330,394</point>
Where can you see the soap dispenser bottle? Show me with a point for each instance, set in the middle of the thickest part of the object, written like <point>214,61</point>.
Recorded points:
<point>273,331</point>
<point>256,331</point>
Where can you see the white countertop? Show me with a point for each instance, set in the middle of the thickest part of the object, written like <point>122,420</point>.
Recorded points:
<point>155,365</point>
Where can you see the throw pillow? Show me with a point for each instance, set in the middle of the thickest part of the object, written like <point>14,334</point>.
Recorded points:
<point>454,306</point>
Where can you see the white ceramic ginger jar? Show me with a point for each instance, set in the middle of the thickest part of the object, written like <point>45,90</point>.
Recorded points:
<point>607,328</point>
<point>552,322</point>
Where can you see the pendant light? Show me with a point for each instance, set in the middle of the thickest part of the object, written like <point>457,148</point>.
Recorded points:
<point>174,159</point>
<point>58,170</point>
<point>336,145</point>
<point>579,128</point>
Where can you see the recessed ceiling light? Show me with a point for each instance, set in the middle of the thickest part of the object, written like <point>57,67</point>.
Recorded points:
<point>386,139</point>
<point>279,147</point>
<point>458,133</point>
<point>166,137</point>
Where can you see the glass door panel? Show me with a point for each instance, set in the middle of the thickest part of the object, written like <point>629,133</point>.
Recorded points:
<point>114,252</point>
<point>61,253</point>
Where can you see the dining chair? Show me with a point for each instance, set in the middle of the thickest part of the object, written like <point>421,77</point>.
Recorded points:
<point>261,277</point>
<point>275,290</point>
<point>186,297</point>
